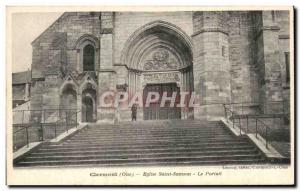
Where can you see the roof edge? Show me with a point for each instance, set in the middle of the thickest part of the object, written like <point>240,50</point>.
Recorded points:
<point>38,37</point>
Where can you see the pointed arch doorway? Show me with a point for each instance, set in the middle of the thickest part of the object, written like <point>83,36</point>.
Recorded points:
<point>160,53</point>
<point>87,109</point>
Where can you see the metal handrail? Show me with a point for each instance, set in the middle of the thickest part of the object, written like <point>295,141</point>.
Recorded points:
<point>19,130</point>
<point>55,127</point>
<point>42,123</point>
<point>257,120</point>
<point>267,129</point>
<point>232,114</point>
<point>66,118</point>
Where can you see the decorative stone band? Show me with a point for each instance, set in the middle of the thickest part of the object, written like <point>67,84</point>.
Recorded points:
<point>106,31</point>
<point>284,36</point>
<point>161,77</point>
<point>264,28</point>
<point>107,70</point>
<point>221,30</point>
<point>182,69</point>
<point>270,28</point>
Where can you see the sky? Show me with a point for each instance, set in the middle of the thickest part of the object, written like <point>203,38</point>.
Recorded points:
<point>25,28</point>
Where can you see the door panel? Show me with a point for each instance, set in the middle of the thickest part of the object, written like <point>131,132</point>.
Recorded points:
<point>154,111</point>
<point>87,109</point>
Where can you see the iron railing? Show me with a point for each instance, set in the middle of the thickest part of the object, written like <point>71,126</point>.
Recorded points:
<point>229,115</point>
<point>236,115</point>
<point>31,125</point>
<point>264,133</point>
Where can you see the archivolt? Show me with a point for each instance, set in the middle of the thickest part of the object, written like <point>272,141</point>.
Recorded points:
<point>87,38</point>
<point>154,33</point>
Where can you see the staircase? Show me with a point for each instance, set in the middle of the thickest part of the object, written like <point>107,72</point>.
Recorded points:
<point>154,143</point>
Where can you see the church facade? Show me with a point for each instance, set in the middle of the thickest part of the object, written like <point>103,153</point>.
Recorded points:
<point>223,57</point>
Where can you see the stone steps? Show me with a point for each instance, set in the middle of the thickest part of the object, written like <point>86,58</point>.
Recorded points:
<point>150,142</point>
<point>135,154</point>
<point>156,129</point>
<point>116,145</point>
<point>120,161</point>
<point>150,163</point>
<point>199,134</point>
<point>145,138</point>
<point>68,151</point>
<point>154,155</point>
<point>96,148</point>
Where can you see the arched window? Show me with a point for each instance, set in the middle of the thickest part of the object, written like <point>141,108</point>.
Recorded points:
<point>88,58</point>
<point>87,48</point>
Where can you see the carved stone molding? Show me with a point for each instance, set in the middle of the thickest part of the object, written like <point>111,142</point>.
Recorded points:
<point>161,77</point>
<point>161,60</point>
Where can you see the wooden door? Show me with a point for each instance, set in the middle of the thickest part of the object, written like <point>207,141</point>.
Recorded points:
<point>154,111</point>
<point>87,109</point>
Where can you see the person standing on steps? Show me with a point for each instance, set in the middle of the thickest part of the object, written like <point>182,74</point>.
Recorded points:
<point>133,112</point>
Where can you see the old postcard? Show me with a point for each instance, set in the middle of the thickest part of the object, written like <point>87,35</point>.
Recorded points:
<point>150,96</point>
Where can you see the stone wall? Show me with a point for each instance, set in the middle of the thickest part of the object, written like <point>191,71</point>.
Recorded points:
<point>63,35</point>
<point>211,63</point>
<point>18,91</point>
<point>283,21</point>
<point>126,23</point>
<point>244,83</point>
<point>54,55</point>
<point>238,56</point>
<point>268,60</point>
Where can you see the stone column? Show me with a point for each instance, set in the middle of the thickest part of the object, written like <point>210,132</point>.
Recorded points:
<point>211,63</point>
<point>27,88</point>
<point>79,107</point>
<point>268,62</point>
<point>106,71</point>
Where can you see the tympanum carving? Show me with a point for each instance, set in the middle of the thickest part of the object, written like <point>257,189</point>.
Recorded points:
<point>161,60</point>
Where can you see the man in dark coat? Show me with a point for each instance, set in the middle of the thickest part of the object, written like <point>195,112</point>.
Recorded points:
<point>133,112</point>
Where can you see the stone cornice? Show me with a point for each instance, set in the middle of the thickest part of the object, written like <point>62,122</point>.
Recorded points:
<point>123,65</point>
<point>264,28</point>
<point>210,30</point>
<point>107,70</point>
<point>106,31</point>
<point>273,27</point>
<point>284,36</point>
<point>170,70</point>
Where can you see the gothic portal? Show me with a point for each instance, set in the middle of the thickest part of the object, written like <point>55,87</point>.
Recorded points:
<point>223,57</point>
